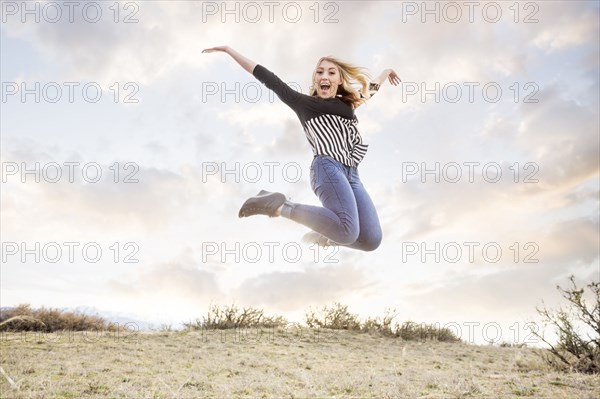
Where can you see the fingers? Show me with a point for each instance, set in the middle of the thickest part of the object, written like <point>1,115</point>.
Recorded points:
<point>394,79</point>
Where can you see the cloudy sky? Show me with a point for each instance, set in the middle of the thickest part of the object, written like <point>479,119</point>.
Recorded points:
<point>126,154</point>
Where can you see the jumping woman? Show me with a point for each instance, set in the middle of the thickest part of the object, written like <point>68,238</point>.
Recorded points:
<point>348,216</point>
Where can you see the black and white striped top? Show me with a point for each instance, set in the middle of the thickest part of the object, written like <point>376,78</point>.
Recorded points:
<point>329,124</point>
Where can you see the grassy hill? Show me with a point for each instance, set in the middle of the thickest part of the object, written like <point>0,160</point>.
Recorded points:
<point>275,363</point>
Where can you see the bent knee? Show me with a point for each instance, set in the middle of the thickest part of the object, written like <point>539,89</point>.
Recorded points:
<point>346,237</point>
<point>371,243</point>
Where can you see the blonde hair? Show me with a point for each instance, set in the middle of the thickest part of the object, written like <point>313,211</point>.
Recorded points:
<point>350,74</point>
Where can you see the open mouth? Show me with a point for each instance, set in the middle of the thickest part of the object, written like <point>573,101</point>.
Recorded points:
<point>325,87</point>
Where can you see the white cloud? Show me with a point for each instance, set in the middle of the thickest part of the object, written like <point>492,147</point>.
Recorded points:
<point>288,291</point>
<point>175,132</point>
<point>555,29</point>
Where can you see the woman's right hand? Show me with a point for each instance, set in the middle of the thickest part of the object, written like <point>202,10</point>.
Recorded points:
<point>244,62</point>
<point>218,48</point>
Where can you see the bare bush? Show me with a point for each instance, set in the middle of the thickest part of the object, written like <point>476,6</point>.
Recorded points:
<point>24,318</point>
<point>231,316</point>
<point>381,325</point>
<point>411,331</point>
<point>574,351</point>
<point>336,317</point>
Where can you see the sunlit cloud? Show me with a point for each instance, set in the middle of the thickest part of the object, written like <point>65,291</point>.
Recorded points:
<point>197,128</point>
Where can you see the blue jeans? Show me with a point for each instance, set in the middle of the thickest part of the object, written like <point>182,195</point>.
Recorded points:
<point>348,215</point>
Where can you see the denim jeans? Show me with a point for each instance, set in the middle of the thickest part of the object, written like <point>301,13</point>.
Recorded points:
<point>348,215</point>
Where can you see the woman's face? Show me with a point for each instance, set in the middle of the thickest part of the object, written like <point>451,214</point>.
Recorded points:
<point>327,79</point>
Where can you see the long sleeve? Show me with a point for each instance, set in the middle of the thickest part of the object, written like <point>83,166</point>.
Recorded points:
<point>289,96</point>
<point>329,123</point>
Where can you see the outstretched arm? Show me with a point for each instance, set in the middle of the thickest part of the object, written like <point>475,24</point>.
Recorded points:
<point>289,96</point>
<point>389,74</point>
<point>244,62</point>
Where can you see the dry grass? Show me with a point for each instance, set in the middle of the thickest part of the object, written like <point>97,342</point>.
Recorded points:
<point>192,364</point>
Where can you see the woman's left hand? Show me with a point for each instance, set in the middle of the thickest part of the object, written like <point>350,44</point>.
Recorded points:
<point>393,77</point>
